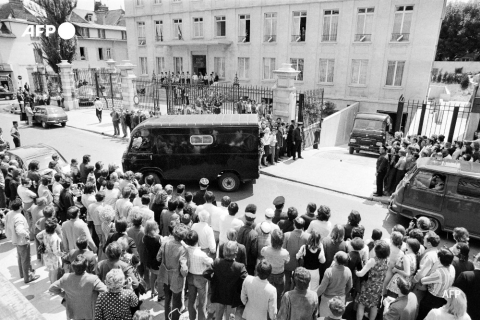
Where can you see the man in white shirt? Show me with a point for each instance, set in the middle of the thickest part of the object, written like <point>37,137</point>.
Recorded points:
<point>111,194</point>
<point>215,214</point>
<point>93,215</point>
<point>269,214</point>
<point>17,232</point>
<point>123,205</point>
<point>27,197</point>
<point>229,221</point>
<point>147,214</point>
<point>75,228</point>
<point>57,187</point>
<point>198,262</point>
<point>206,238</point>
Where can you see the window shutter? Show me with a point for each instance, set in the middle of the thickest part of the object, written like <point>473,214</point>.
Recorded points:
<point>399,73</point>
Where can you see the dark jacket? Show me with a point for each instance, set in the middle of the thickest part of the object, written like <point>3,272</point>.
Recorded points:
<point>199,197</point>
<point>241,253</point>
<point>403,308</point>
<point>226,278</point>
<point>290,134</point>
<point>382,164</point>
<point>247,236</point>
<point>297,134</point>
<point>65,201</point>
<point>469,282</point>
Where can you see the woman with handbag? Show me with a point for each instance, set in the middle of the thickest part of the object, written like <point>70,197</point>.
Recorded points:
<point>51,249</point>
<point>311,256</point>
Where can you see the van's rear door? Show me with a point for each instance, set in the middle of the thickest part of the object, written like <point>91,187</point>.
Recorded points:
<point>462,204</point>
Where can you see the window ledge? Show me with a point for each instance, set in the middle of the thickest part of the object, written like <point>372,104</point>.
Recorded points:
<point>270,43</point>
<point>198,38</point>
<point>393,88</point>
<point>362,42</point>
<point>357,85</point>
<point>329,42</point>
<point>330,84</point>
<point>219,37</point>
<point>300,43</point>
<point>400,42</point>
<point>243,43</point>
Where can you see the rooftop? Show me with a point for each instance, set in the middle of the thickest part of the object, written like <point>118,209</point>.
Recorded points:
<point>464,168</point>
<point>16,10</point>
<point>201,120</point>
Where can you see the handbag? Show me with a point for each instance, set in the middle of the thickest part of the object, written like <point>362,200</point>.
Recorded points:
<point>41,248</point>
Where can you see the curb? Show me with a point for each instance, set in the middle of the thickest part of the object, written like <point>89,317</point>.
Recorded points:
<point>97,132</point>
<point>382,201</point>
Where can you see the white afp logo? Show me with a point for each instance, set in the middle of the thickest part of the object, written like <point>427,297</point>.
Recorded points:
<point>66,30</point>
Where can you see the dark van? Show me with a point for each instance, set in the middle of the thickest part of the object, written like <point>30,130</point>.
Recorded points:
<point>370,131</point>
<point>446,191</point>
<point>221,147</point>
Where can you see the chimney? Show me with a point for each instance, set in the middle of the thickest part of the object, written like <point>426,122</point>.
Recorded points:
<point>17,8</point>
<point>101,13</point>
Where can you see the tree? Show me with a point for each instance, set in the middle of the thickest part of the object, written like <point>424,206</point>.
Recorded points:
<point>55,49</point>
<point>459,34</point>
<point>445,77</point>
<point>439,77</point>
<point>465,82</point>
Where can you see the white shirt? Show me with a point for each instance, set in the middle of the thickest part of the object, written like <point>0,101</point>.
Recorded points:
<point>227,222</point>
<point>146,213</point>
<point>56,189</point>
<point>122,208</point>
<point>206,239</point>
<point>25,194</point>
<point>320,227</point>
<point>111,196</point>
<point>215,214</point>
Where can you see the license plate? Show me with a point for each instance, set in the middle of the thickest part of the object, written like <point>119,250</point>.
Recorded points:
<point>363,147</point>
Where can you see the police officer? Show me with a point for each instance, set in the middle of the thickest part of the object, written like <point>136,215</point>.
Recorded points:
<point>279,203</point>
<point>199,196</point>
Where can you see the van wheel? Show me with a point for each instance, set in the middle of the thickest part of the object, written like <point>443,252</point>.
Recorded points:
<point>350,150</point>
<point>44,125</point>
<point>229,182</point>
<point>357,151</point>
<point>435,224</point>
<point>156,178</point>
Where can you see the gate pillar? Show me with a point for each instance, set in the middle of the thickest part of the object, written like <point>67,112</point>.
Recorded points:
<point>128,91</point>
<point>68,87</point>
<point>284,93</point>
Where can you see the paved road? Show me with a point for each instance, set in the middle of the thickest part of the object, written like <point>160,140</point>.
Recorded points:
<point>73,143</point>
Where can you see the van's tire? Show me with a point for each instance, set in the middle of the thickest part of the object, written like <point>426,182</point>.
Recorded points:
<point>357,151</point>
<point>435,225</point>
<point>44,125</point>
<point>155,177</point>
<point>229,182</point>
<point>350,150</point>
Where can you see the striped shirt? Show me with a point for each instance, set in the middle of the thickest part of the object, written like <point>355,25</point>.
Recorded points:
<point>198,261</point>
<point>440,280</point>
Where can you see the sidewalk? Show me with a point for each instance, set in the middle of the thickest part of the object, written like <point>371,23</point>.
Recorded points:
<point>327,168</point>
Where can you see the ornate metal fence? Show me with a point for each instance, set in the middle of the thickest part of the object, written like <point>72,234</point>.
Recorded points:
<point>47,83</point>
<point>102,83</point>
<point>310,110</point>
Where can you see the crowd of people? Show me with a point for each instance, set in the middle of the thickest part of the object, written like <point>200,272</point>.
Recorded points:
<point>401,154</point>
<point>110,238</point>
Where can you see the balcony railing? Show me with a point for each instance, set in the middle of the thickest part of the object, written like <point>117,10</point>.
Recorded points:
<point>270,38</point>
<point>362,37</point>
<point>399,37</point>
<point>142,41</point>
<point>244,39</point>
<point>329,37</point>
<point>159,38</point>
<point>298,38</point>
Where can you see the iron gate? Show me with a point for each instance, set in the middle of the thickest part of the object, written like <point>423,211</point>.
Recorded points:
<point>310,112</point>
<point>47,82</point>
<point>92,83</point>
<point>431,117</point>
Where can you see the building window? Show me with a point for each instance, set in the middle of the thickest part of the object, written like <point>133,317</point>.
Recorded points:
<point>157,1</point>
<point>83,53</point>
<point>139,3</point>
<point>101,33</point>
<point>143,65</point>
<point>177,29</point>
<point>330,25</point>
<point>270,27</point>
<point>364,24</point>
<point>84,32</point>
<point>297,64</point>
<point>243,68</point>
<point>268,67</point>
<point>141,33</point>
<point>402,23</point>
<point>359,72</point>
<point>158,30</point>
<point>100,54</point>
<point>38,55</point>
<point>160,64</point>
<point>299,26</point>
<point>326,70</point>
<point>244,28</point>
<point>124,35</point>
<point>220,26</point>
<point>395,73</point>
<point>108,53</point>
<point>177,64</point>
<point>219,67</point>
<point>88,17</point>
<point>198,27</point>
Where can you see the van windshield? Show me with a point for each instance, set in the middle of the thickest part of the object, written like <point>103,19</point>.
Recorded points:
<point>365,124</point>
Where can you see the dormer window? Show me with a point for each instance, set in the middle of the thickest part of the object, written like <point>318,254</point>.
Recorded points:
<point>89,17</point>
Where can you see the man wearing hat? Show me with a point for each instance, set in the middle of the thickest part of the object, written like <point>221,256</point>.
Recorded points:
<point>248,236</point>
<point>15,134</point>
<point>199,196</point>
<point>279,214</point>
<point>298,139</point>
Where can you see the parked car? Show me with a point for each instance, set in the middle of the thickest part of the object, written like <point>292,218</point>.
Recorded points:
<point>370,132</point>
<point>190,147</point>
<point>5,94</point>
<point>49,115</point>
<point>446,191</point>
<point>41,152</point>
